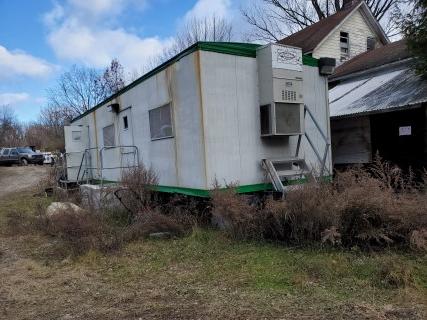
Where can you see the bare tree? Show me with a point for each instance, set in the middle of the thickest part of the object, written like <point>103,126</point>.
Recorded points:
<point>211,28</point>
<point>272,20</point>
<point>77,90</point>
<point>11,131</point>
<point>112,79</point>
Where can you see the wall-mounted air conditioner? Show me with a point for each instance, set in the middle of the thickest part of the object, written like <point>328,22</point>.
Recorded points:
<point>280,75</point>
<point>281,119</point>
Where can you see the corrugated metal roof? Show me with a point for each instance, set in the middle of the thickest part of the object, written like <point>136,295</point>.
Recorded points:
<point>376,93</point>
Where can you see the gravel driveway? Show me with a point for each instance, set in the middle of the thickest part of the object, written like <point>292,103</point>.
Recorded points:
<point>14,179</point>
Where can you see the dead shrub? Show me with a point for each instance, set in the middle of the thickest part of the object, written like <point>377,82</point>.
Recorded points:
<point>305,213</point>
<point>138,190</point>
<point>234,214</point>
<point>78,232</point>
<point>370,209</point>
<point>365,226</point>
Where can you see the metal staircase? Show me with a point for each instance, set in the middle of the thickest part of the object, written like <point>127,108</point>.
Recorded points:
<point>291,168</point>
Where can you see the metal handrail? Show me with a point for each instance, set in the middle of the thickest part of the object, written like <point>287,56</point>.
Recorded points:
<point>85,157</point>
<point>136,155</point>
<point>322,160</point>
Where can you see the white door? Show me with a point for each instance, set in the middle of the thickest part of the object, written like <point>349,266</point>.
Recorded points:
<point>126,141</point>
<point>76,141</point>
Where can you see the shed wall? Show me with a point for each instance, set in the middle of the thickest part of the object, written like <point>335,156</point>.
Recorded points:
<point>351,140</point>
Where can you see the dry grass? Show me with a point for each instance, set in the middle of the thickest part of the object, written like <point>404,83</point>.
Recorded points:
<point>204,274</point>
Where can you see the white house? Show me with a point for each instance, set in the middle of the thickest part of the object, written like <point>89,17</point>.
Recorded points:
<point>231,112</point>
<point>341,36</point>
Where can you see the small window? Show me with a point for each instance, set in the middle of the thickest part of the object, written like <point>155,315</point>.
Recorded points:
<point>6,152</point>
<point>76,135</point>
<point>344,45</point>
<point>125,122</point>
<point>108,135</point>
<point>370,43</point>
<point>161,122</point>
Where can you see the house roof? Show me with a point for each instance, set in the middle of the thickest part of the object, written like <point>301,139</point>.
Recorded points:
<point>388,90</point>
<point>310,37</point>
<point>392,52</point>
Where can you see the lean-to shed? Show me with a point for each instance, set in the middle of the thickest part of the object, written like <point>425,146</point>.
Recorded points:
<point>232,112</point>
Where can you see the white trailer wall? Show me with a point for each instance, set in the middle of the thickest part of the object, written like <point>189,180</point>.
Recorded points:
<point>179,161</point>
<point>216,123</point>
<point>234,148</point>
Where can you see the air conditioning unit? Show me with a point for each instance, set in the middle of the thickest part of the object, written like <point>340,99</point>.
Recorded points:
<point>280,74</point>
<point>278,119</point>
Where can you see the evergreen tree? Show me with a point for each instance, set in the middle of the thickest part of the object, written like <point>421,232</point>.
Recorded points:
<point>415,30</point>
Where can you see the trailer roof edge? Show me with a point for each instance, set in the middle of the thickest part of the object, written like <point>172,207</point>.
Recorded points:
<point>232,48</point>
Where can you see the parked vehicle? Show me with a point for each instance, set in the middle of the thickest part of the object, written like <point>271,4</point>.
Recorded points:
<point>49,158</point>
<point>20,155</point>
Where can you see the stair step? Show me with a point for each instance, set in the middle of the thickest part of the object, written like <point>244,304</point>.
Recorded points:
<point>290,173</point>
<point>287,161</point>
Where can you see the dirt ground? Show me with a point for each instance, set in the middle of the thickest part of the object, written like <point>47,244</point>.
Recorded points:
<point>14,179</point>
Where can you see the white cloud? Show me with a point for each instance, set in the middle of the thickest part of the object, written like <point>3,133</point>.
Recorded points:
<point>208,8</point>
<point>54,15</point>
<point>75,37</point>
<point>19,63</point>
<point>13,98</point>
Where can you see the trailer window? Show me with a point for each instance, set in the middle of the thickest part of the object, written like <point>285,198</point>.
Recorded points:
<point>161,122</point>
<point>108,135</point>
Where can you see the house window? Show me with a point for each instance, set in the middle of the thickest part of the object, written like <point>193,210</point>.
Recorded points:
<point>125,122</point>
<point>344,45</point>
<point>76,135</point>
<point>370,43</point>
<point>108,135</point>
<point>161,122</point>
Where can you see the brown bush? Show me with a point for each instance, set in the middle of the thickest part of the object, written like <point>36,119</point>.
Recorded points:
<point>359,208</point>
<point>234,214</point>
<point>79,232</point>
<point>306,212</point>
<point>137,191</point>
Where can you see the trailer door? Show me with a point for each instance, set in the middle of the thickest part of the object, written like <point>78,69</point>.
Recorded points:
<point>76,141</point>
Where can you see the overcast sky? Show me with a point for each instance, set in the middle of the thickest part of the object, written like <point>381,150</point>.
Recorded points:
<point>40,39</point>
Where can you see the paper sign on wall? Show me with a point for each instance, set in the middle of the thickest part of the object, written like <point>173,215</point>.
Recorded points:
<point>405,131</point>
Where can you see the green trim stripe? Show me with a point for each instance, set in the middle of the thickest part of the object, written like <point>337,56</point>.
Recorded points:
<point>206,193</point>
<point>309,61</point>
<point>232,48</point>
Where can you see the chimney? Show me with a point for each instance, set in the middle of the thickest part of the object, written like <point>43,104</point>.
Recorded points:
<point>347,4</point>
